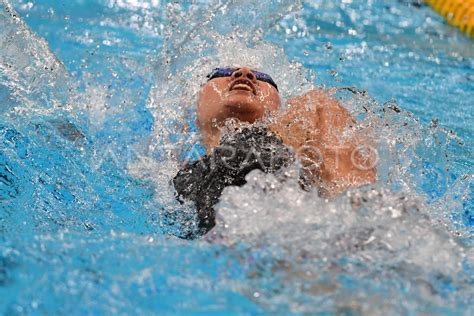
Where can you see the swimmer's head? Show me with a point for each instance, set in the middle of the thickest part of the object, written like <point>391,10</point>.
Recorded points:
<point>240,93</point>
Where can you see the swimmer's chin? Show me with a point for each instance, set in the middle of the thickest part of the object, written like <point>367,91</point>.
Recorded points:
<point>249,116</point>
<point>242,107</point>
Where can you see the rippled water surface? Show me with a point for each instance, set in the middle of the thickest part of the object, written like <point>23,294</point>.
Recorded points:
<point>96,104</point>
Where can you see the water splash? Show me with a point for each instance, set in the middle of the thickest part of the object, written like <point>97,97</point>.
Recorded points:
<point>408,227</point>
<point>30,74</point>
<point>78,226</point>
<point>400,229</point>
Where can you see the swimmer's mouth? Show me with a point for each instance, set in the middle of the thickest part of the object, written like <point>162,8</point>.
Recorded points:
<point>242,84</point>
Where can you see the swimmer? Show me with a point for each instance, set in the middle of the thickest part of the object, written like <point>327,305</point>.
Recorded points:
<point>314,128</point>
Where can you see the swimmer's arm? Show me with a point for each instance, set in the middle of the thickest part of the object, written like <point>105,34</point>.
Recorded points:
<point>323,133</point>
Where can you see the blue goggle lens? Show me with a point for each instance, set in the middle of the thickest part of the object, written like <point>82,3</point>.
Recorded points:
<point>228,71</point>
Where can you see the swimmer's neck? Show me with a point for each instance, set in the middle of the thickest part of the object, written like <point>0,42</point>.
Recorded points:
<point>212,136</point>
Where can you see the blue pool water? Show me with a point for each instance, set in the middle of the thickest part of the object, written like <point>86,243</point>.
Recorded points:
<point>94,96</point>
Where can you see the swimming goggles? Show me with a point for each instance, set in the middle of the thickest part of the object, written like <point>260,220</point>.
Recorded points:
<point>228,71</point>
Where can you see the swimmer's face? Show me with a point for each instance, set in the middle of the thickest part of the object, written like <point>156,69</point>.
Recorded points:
<point>239,96</point>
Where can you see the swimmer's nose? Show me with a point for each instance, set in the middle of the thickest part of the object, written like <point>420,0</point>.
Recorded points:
<point>244,73</point>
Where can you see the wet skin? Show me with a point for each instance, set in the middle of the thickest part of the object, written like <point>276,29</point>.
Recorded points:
<point>315,125</point>
<point>240,96</point>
